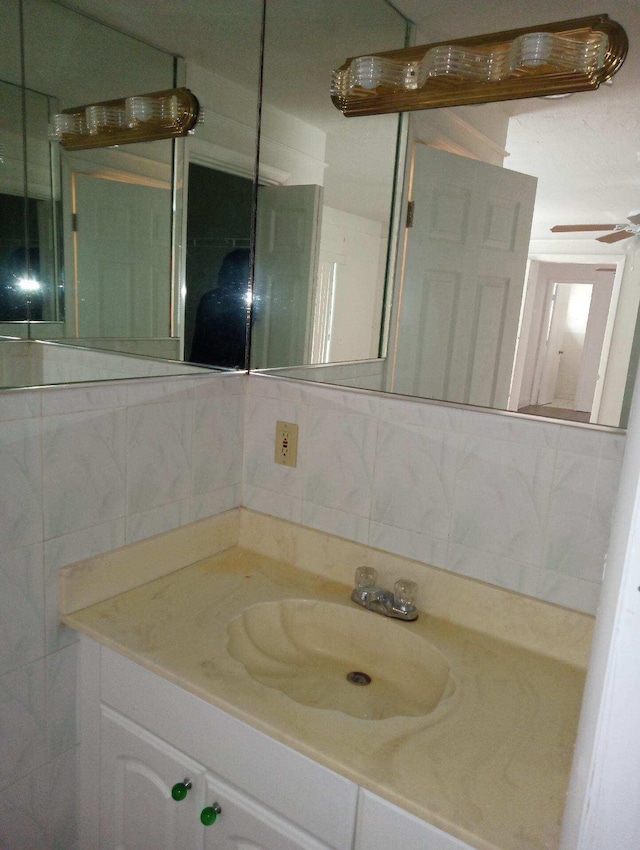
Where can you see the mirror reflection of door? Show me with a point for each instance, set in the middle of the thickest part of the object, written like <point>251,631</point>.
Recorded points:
<point>122,234</point>
<point>286,268</point>
<point>217,273</point>
<point>458,310</point>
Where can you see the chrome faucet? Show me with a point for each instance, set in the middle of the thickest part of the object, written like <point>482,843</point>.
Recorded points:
<point>399,604</point>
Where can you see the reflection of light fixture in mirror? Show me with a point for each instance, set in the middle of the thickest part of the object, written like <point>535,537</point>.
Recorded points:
<point>28,284</point>
<point>143,118</point>
<point>557,58</point>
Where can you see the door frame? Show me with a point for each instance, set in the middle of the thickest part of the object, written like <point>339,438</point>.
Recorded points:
<point>619,261</point>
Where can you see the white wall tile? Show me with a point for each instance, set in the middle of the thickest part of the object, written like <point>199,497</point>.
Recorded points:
<point>158,520</point>
<point>409,544</point>
<point>276,504</point>
<point>19,404</point>
<point>65,550</point>
<point>517,429</point>
<point>405,412</point>
<point>217,441</point>
<point>339,450</point>
<point>23,818</point>
<point>57,401</point>
<point>575,544</point>
<point>21,607</point>
<point>84,470</point>
<point>21,474</point>
<point>414,478</point>
<point>23,742</point>
<point>216,502</point>
<point>61,700</point>
<point>575,593</point>
<point>57,795</point>
<point>494,569</point>
<point>159,444</point>
<point>502,498</point>
<point>336,522</point>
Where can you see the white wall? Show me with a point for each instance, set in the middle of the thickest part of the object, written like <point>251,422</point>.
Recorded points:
<point>356,245</point>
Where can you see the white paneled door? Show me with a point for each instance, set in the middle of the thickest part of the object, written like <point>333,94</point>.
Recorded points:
<point>286,263</point>
<point>123,258</point>
<point>457,315</point>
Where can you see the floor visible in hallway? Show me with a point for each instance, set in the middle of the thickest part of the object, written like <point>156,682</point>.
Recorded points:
<point>556,412</point>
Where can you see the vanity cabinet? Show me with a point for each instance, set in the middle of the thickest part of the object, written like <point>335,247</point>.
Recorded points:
<point>140,735</point>
<point>383,826</point>
<point>137,811</point>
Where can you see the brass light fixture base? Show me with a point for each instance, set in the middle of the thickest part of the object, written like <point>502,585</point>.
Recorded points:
<point>166,114</point>
<point>449,73</point>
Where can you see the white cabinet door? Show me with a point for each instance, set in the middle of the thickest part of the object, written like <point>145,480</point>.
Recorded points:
<point>243,824</point>
<point>138,771</point>
<point>383,826</point>
<point>137,811</point>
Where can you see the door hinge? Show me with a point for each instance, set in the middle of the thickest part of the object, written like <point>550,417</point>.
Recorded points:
<point>410,211</point>
<point>74,222</point>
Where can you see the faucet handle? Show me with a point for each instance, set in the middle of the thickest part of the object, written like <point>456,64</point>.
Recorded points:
<point>405,593</point>
<point>366,577</point>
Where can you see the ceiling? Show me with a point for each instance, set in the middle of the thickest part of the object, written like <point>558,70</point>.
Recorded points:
<point>585,149</point>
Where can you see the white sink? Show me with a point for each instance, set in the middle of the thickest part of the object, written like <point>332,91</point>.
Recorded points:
<point>306,650</point>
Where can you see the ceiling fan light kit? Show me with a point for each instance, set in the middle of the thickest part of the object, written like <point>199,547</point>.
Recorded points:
<point>550,59</point>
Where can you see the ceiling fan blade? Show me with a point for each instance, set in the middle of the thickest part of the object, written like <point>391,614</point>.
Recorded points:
<point>634,219</point>
<point>616,237</point>
<point>579,228</point>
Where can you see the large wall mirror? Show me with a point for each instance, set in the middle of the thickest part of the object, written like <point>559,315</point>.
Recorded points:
<point>490,308</point>
<point>342,292</point>
<point>150,245</point>
<point>494,308</point>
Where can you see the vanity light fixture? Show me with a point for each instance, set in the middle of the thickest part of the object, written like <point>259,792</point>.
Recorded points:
<point>143,118</point>
<point>551,59</point>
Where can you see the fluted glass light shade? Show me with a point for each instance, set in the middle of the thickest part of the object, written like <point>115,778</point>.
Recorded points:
<point>556,58</point>
<point>142,118</point>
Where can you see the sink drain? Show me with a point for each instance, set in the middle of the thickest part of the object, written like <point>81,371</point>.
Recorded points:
<point>358,678</point>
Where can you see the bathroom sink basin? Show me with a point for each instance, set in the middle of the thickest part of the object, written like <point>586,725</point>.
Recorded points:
<point>307,650</point>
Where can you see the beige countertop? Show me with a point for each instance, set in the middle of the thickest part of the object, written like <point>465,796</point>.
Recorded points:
<point>490,765</point>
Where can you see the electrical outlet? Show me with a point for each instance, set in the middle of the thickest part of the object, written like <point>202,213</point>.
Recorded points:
<point>286,443</point>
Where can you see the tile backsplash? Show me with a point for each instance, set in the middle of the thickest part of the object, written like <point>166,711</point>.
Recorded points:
<point>521,504</point>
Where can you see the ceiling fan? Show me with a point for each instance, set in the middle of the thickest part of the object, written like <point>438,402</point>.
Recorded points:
<point>618,231</point>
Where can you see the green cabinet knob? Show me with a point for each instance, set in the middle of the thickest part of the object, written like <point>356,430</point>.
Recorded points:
<point>180,790</point>
<point>208,816</point>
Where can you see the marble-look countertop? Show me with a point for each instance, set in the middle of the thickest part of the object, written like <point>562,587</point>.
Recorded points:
<point>490,765</point>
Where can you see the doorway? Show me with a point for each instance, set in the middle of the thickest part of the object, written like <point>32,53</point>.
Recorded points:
<point>565,356</point>
<point>217,267</point>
